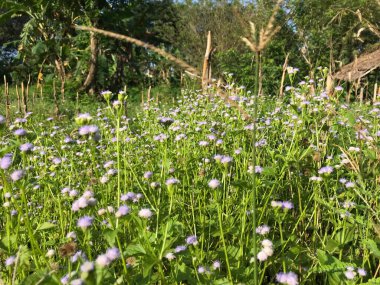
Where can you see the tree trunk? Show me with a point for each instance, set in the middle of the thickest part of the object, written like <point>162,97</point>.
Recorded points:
<point>94,58</point>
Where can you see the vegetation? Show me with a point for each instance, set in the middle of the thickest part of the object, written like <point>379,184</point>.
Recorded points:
<point>262,176</point>
<point>40,41</point>
<point>166,196</point>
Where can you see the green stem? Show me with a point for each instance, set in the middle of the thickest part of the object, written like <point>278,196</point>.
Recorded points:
<point>224,243</point>
<point>254,193</point>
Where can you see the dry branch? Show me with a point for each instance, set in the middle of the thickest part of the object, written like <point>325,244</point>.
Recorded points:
<point>137,42</point>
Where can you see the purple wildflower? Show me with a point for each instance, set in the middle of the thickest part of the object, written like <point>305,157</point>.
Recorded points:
<point>84,222</point>
<point>180,248</point>
<point>113,253</point>
<point>214,183</point>
<point>128,196</point>
<point>192,240</point>
<point>19,132</point>
<point>87,266</point>
<point>10,260</point>
<point>201,270</point>
<point>145,213</point>
<point>287,205</point>
<point>326,169</point>
<point>289,278</point>
<point>172,181</point>
<point>102,260</point>
<point>262,230</point>
<point>6,161</point>
<point>216,265</point>
<point>148,174</point>
<point>226,159</point>
<point>122,211</point>
<point>26,147</point>
<point>17,175</point>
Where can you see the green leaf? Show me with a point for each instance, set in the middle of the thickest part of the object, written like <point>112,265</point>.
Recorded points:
<point>134,249</point>
<point>331,266</point>
<point>8,242</point>
<point>45,226</point>
<point>372,246</point>
<point>148,263</point>
<point>39,277</point>
<point>39,48</point>
<point>24,255</point>
<point>110,236</point>
<point>332,245</point>
<point>344,236</point>
<point>351,118</point>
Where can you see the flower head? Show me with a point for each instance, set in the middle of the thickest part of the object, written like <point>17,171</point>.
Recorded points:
<point>172,181</point>
<point>192,240</point>
<point>214,183</point>
<point>26,147</point>
<point>102,260</point>
<point>87,266</point>
<point>289,278</point>
<point>6,161</point>
<point>170,256</point>
<point>84,222</point>
<point>113,253</point>
<point>17,175</point>
<point>19,132</point>
<point>10,260</point>
<point>122,211</point>
<point>216,265</point>
<point>145,213</point>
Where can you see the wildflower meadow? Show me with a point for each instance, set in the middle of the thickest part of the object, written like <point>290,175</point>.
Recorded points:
<point>194,192</point>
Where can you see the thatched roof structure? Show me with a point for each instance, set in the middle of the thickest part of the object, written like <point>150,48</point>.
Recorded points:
<point>360,67</point>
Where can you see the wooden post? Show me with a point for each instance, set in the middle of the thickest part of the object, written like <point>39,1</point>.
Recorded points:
<point>349,92</point>
<point>361,95</point>
<point>284,67</point>
<point>329,84</point>
<point>41,91</point>
<point>149,89</point>
<point>206,64</point>
<point>375,93</point>
<point>24,99</point>
<point>357,85</point>
<point>33,96</point>
<point>18,100</point>
<point>7,101</point>
<point>77,103</point>
<point>27,89</point>
<point>56,109</point>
